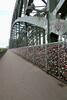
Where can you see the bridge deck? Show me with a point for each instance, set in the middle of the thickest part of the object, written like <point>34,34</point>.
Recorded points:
<point>21,80</point>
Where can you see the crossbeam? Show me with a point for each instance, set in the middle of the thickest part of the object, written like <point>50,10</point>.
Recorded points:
<point>38,21</point>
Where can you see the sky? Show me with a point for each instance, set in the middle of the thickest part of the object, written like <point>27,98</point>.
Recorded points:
<point>6,12</point>
<point>38,2</point>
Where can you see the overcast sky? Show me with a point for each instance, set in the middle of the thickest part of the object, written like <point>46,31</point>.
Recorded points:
<point>6,12</point>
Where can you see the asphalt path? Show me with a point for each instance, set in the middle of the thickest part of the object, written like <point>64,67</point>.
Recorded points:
<point>21,80</point>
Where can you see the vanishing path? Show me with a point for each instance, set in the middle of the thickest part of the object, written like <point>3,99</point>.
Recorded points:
<point>21,80</point>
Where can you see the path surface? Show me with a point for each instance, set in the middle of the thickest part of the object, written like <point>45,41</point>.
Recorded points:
<point>21,80</point>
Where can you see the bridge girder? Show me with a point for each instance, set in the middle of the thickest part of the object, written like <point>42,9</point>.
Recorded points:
<point>37,21</point>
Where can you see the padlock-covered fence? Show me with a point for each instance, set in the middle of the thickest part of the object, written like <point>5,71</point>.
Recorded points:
<point>51,57</point>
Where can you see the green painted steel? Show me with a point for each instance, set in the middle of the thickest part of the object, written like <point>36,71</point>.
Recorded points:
<point>44,26</point>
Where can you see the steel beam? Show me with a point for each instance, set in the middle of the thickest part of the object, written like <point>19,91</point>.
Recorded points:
<point>58,7</point>
<point>37,21</point>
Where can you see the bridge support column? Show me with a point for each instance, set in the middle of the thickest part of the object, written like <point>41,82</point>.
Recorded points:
<point>39,38</point>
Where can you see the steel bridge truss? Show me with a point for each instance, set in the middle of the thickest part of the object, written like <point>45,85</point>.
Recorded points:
<point>36,25</point>
<point>27,24</point>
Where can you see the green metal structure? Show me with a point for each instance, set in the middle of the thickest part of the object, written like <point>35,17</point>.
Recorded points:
<point>34,26</point>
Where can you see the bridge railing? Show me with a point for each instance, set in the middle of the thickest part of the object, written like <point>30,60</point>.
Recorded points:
<point>53,60</point>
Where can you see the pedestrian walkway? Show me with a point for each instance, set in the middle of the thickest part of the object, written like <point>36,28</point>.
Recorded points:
<point>21,80</point>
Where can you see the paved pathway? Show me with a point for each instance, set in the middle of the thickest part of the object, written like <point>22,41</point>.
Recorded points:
<point>21,80</point>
